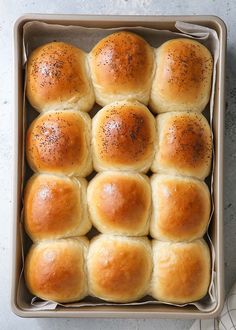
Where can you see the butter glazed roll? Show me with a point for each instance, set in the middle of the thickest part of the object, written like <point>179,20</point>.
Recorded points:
<point>182,81</point>
<point>120,203</point>
<point>181,208</point>
<point>59,142</point>
<point>55,207</point>
<point>58,78</point>
<point>181,272</point>
<point>184,145</point>
<point>119,268</point>
<point>122,67</point>
<point>55,270</point>
<point>123,137</point>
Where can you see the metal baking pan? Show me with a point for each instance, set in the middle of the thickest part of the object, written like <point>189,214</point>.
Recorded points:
<point>20,306</point>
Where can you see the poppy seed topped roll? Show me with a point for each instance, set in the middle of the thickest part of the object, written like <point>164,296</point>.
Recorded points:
<point>122,67</point>
<point>123,137</point>
<point>184,145</point>
<point>58,78</point>
<point>183,76</point>
<point>59,142</point>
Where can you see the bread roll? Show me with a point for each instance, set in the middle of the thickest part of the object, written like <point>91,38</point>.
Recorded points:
<point>55,270</point>
<point>181,208</point>
<point>55,207</point>
<point>59,142</point>
<point>122,67</point>
<point>57,78</point>
<point>184,144</point>
<point>120,203</point>
<point>119,268</point>
<point>123,137</point>
<point>181,272</point>
<point>182,81</point>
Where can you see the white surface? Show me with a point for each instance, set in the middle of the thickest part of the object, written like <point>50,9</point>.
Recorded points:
<point>9,11</point>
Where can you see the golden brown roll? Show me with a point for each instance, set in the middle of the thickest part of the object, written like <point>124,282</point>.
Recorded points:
<point>59,142</point>
<point>119,267</point>
<point>181,271</point>
<point>58,78</point>
<point>181,208</point>
<point>123,137</point>
<point>122,67</point>
<point>182,81</point>
<point>55,207</point>
<point>120,203</point>
<point>184,144</point>
<point>55,270</point>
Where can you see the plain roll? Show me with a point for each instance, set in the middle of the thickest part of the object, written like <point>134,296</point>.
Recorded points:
<point>55,207</point>
<point>57,77</point>
<point>56,270</point>
<point>122,67</point>
<point>184,145</point>
<point>123,137</point>
<point>181,271</point>
<point>182,80</point>
<point>119,268</point>
<point>120,203</point>
<point>59,142</point>
<point>181,208</point>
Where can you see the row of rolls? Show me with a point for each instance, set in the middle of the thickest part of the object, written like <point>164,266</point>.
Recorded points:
<point>150,171</point>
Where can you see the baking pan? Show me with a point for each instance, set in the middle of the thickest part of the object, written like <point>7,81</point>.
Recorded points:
<point>18,304</point>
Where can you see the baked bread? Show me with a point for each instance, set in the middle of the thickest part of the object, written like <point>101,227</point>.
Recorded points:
<point>181,271</point>
<point>120,203</point>
<point>59,142</point>
<point>119,268</point>
<point>181,208</point>
<point>123,137</point>
<point>184,145</point>
<point>182,80</point>
<point>55,270</point>
<point>55,207</point>
<point>122,67</point>
<point>57,77</point>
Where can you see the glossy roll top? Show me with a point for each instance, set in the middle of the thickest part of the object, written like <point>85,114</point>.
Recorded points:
<point>122,66</point>
<point>59,142</point>
<point>183,76</point>
<point>120,203</point>
<point>184,145</point>
<point>181,272</point>
<point>181,208</point>
<point>55,270</point>
<point>119,268</point>
<point>58,78</point>
<point>55,207</point>
<point>123,137</point>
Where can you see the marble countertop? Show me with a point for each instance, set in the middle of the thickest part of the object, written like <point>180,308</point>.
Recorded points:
<point>10,10</point>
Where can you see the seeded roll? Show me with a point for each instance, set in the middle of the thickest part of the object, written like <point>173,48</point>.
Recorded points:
<point>122,67</point>
<point>123,137</point>
<point>57,77</point>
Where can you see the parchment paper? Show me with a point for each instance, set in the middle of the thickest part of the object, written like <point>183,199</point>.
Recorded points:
<point>34,35</point>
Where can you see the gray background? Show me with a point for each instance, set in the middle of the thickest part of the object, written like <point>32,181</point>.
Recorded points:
<point>9,11</point>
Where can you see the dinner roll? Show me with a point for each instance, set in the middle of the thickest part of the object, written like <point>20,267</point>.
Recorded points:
<point>123,137</point>
<point>120,203</point>
<point>59,142</point>
<point>181,208</point>
<point>181,271</point>
<point>57,78</point>
<point>184,144</point>
<point>183,75</point>
<point>55,207</point>
<point>55,270</point>
<point>119,268</point>
<point>122,67</point>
